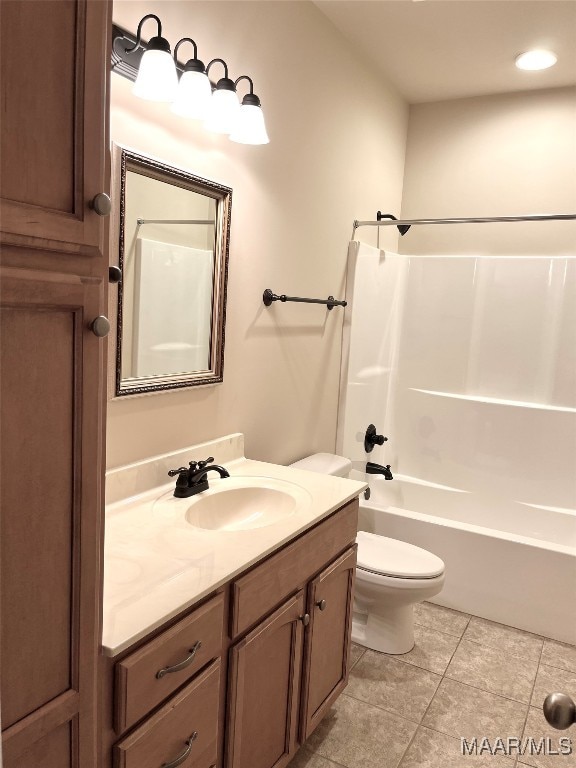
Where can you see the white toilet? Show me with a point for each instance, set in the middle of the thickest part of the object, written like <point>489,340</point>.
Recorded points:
<point>391,576</point>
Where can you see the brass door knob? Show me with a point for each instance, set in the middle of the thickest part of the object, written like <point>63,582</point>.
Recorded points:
<point>321,604</point>
<point>305,619</point>
<point>101,204</point>
<point>100,326</point>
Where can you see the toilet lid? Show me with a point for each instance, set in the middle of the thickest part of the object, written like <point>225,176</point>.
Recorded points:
<point>391,557</point>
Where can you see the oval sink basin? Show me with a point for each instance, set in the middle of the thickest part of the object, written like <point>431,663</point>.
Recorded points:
<point>238,504</point>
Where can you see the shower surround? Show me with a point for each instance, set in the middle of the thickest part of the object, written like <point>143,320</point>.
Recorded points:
<point>468,365</point>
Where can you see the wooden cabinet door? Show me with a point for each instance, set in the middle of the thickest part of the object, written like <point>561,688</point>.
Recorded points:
<point>54,63</point>
<point>51,418</point>
<point>264,674</point>
<point>327,651</point>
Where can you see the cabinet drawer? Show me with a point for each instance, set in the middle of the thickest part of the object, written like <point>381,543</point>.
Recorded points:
<point>267,585</point>
<point>151,674</point>
<point>188,723</point>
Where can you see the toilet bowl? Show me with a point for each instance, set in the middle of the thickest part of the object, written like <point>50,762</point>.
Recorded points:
<point>391,577</point>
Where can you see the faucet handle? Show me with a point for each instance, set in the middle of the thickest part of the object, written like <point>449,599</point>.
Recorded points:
<point>371,439</point>
<point>182,479</point>
<point>202,464</point>
<point>174,472</point>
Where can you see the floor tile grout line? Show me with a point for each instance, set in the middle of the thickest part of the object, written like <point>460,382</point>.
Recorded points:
<point>427,669</point>
<point>437,730</point>
<point>484,690</point>
<point>311,752</point>
<point>506,626</point>
<point>399,656</point>
<point>495,693</point>
<point>443,677</point>
<point>388,711</point>
<point>498,648</point>
<point>396,714</point>
<point>358,659</point>
<point>443,631</point>
<point>491,621</point>
<point>531,694</point>
<point>329,759</point>
<point>553,666</point>
<point>418,666</point>
<point>403,755</point>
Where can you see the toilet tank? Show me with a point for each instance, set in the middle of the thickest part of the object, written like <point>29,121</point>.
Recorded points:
<point>325,464</point>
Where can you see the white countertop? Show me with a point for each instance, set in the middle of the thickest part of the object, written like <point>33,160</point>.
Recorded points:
<point>156,564</point>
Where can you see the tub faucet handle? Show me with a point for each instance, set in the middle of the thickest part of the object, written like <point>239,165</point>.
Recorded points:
<point>371,438</point>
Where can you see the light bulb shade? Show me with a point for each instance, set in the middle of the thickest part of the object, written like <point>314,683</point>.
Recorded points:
<point>223,111</point>
<point>250,126</point>
<point>194,96</point>
<point>157,79</point>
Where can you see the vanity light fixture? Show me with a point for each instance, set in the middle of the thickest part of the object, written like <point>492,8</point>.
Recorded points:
<point>157,79</point>
<point>250,126</point>
<point>194,96</point>
<point>224,106</point>
<point>536,60</point>
<point>194,89</point>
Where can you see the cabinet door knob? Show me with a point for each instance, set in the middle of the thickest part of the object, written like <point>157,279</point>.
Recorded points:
<point>100,326</point>
<point>114,275</point>
<point>180,759</point>
<point>305,619</point>
<point>321,604</point>
<point>101,204</point>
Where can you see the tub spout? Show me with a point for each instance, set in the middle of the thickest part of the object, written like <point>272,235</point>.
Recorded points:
<point>378,469</point>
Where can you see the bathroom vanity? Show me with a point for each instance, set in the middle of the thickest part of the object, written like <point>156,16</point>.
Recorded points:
<point>231,658</point>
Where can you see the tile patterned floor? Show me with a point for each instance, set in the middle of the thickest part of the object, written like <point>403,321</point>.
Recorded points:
<point>465,677</point>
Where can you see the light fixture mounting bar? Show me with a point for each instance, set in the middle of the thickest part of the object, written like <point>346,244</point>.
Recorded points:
<point>127,64</point>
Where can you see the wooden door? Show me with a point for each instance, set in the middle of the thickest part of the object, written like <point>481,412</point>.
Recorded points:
<point>51,393</point>
<point>327,650</point>
<point>54,63</point>
<point>263,699</point>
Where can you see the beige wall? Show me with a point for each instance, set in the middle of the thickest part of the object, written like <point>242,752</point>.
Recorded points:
<point>336,153</point>
<point>503,155</point>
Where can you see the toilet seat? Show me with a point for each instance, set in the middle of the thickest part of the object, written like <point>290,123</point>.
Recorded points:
<point>390,558</point>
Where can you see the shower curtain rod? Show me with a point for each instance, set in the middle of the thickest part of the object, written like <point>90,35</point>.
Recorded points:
<point>175,221</point>
<point>481,220</point>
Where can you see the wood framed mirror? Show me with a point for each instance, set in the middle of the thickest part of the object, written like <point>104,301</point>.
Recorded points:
<point>170,239</point>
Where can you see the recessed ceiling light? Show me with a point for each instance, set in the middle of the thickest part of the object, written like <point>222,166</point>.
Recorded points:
<point>534,60</point>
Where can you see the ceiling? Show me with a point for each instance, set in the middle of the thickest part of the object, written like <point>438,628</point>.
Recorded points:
<point>433,50</point>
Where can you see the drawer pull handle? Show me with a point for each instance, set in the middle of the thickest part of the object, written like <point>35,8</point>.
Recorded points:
<point>180,759</point>
<point>321,604</point>
<point>177,667</point>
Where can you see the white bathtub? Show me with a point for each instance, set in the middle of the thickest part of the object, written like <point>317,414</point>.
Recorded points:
<point>527,581</point>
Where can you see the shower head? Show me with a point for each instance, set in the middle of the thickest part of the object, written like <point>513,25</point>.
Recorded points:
<point>402,228</point>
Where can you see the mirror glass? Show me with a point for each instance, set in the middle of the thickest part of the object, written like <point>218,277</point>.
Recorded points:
<point>173,253</point>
